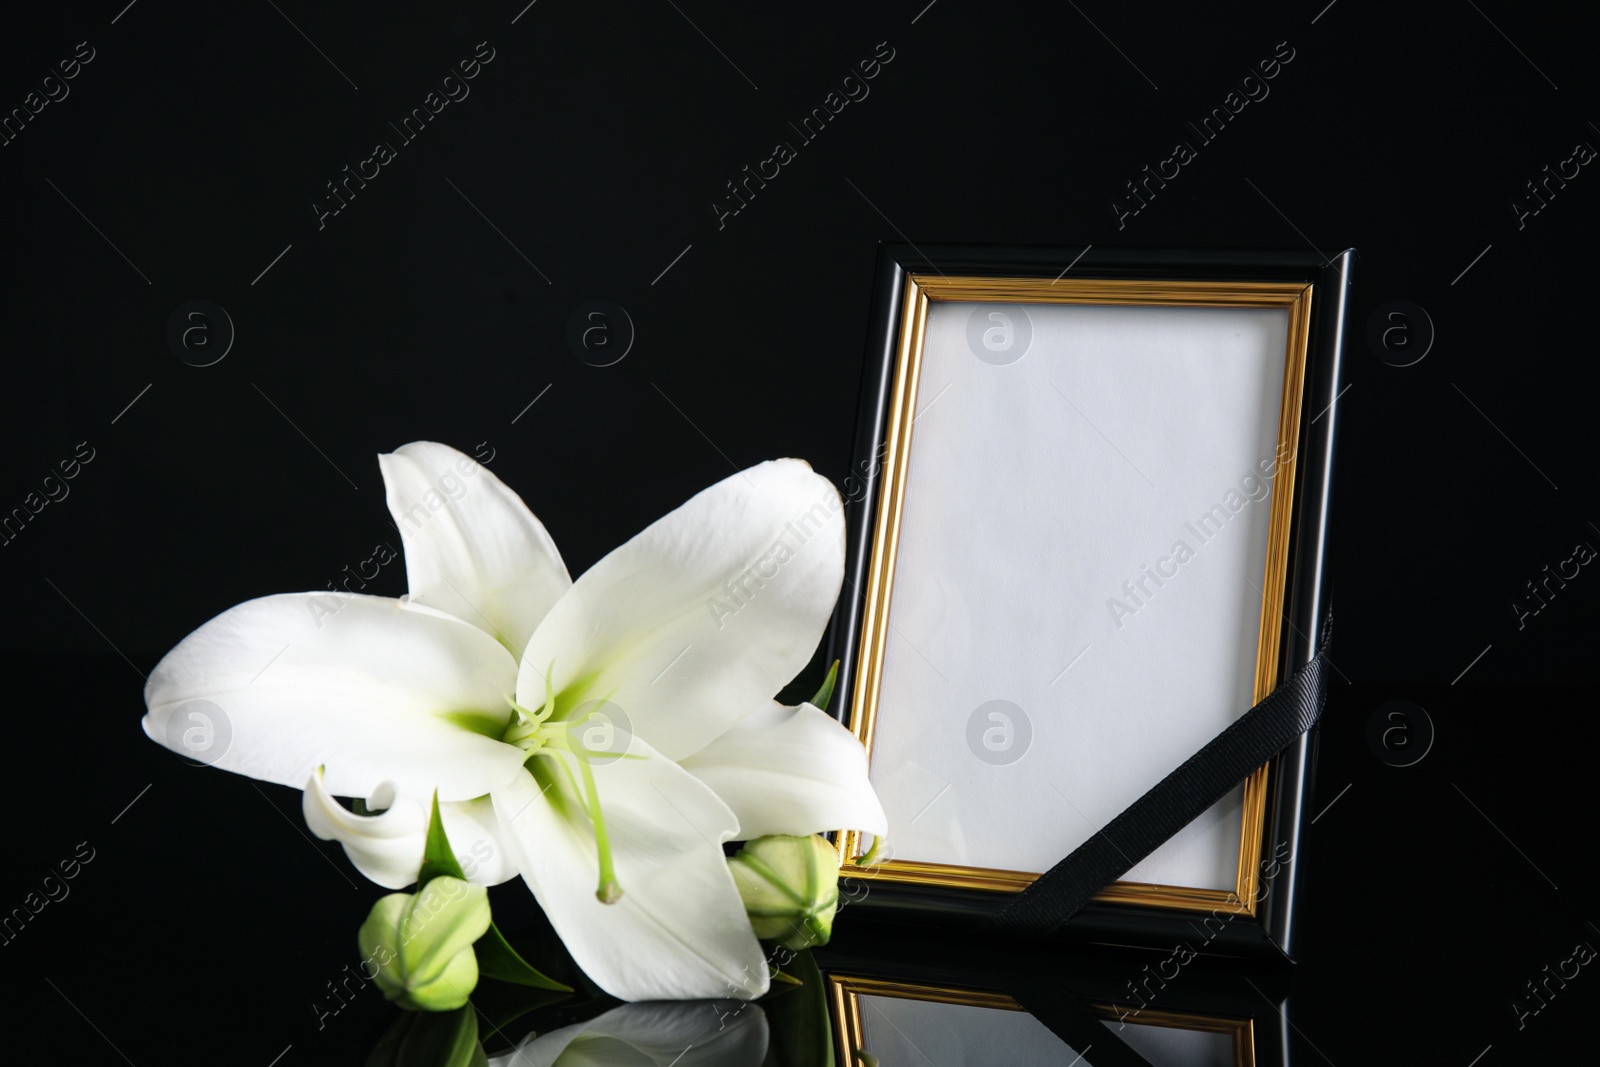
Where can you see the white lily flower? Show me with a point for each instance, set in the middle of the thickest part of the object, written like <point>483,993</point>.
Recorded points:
<point>481,683</point>
<point>686,1034</point>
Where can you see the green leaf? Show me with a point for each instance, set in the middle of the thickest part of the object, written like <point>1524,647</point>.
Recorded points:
<point>437,855</point>
<point>431,1039</point>
<point>825,694</point>
<point>802,1033</point>
<point>496,958</point>
<point>500,1006</point>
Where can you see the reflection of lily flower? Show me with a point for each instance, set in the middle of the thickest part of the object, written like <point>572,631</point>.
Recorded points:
<point>484,685</point>
<point>705,1033</point>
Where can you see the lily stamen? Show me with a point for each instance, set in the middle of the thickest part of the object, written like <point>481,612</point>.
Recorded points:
<point>609,892</point>
<point>529,729</point>
<point>536,734</point>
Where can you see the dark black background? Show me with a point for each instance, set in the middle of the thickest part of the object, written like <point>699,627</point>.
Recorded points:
<point>198,138</point>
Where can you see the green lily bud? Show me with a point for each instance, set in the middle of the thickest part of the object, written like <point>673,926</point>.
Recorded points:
<point>790,888</point>
<point>421,943</point>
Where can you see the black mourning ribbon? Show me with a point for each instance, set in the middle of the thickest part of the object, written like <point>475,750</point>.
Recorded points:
<point>1174,802</point>
<point>1093,1039</point>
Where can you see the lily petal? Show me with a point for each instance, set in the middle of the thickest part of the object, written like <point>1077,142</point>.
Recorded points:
<point>372,688</point>
<point>705,614</point>
<point>388,847</point>
<point>679,930</point>
<point>791,771</point>
<point>724,1033</point>
<point>473,548</point>
<point>475,835</point>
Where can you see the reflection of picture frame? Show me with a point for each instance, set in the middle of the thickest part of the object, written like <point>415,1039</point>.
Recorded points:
<point>996,510</point>
<point>848,995</point>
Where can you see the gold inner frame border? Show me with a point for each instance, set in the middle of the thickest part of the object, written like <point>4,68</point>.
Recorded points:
<point>920,291</point>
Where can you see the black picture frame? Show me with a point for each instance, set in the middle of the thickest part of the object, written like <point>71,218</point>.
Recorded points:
<point>1271,930</point>
<point>1082,994</point>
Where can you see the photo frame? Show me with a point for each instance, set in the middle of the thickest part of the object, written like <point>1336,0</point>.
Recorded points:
<point>1000,1028</point>
<point>980,1001</point>
<point>1084,405</point>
